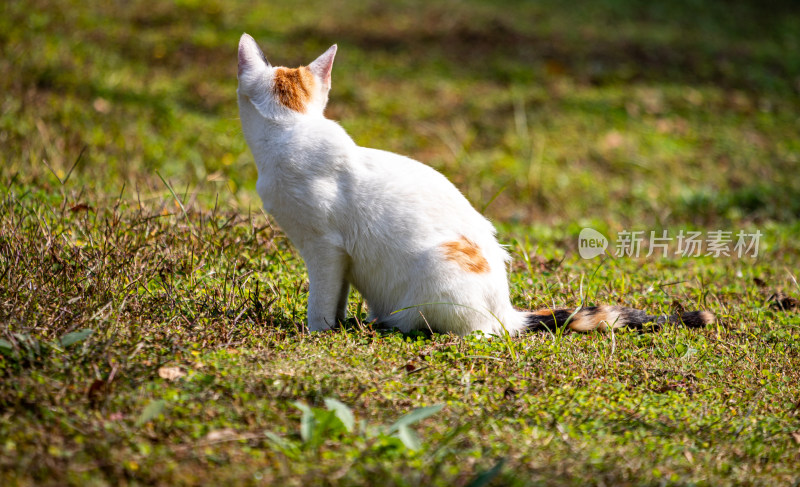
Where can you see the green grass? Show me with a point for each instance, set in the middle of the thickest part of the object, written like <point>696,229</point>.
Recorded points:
<point>128,209</point>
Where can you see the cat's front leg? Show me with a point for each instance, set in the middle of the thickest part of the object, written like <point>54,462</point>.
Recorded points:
<point>341,305</point>
<point>326,271</point>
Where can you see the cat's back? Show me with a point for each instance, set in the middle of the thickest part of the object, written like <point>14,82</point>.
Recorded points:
<point>414,195</point>
<point>407,178</point>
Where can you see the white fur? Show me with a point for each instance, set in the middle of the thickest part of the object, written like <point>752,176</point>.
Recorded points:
<point>368,218</point>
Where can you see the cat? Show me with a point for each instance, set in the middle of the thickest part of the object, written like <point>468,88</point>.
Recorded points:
<point>392,227</point>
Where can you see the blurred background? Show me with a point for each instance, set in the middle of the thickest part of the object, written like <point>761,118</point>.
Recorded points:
<point>602,113</point>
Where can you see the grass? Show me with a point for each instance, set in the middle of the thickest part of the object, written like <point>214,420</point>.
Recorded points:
<point>152,316</point>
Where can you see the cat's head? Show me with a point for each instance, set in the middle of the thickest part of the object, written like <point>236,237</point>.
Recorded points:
<point>275,92</point>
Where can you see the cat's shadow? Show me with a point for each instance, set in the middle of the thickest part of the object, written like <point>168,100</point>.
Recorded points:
<point>375,328</point>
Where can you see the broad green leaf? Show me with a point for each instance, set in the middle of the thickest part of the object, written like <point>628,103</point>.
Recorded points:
<point>6,348</point>
<point>75,337</point>
<point>484,478</point>
<point>343,412</point>
<point>327,424</point>
<point>151,412</point>
<point>408,437</point>
<point>414,416</point>
<point>307,422</point>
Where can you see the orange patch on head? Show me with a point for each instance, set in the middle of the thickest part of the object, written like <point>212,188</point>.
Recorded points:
<point>465,253</point>
<point>293,87</point>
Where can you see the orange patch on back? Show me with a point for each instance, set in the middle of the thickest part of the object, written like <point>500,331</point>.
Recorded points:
<point>465,253</point>
<point>293,87</point>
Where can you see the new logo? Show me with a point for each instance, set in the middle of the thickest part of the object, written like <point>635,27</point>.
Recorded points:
<point>591,243</point>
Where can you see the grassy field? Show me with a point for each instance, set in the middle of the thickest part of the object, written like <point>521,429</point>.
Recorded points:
<point>151,315</point>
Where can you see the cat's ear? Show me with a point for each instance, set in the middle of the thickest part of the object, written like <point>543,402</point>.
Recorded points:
<point>323,65</point>
<point>250,55</point>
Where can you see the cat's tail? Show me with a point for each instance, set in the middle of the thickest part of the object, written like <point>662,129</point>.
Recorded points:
<point>605,317</point>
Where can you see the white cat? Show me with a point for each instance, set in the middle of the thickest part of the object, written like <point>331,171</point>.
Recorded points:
<point>394,228</point>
